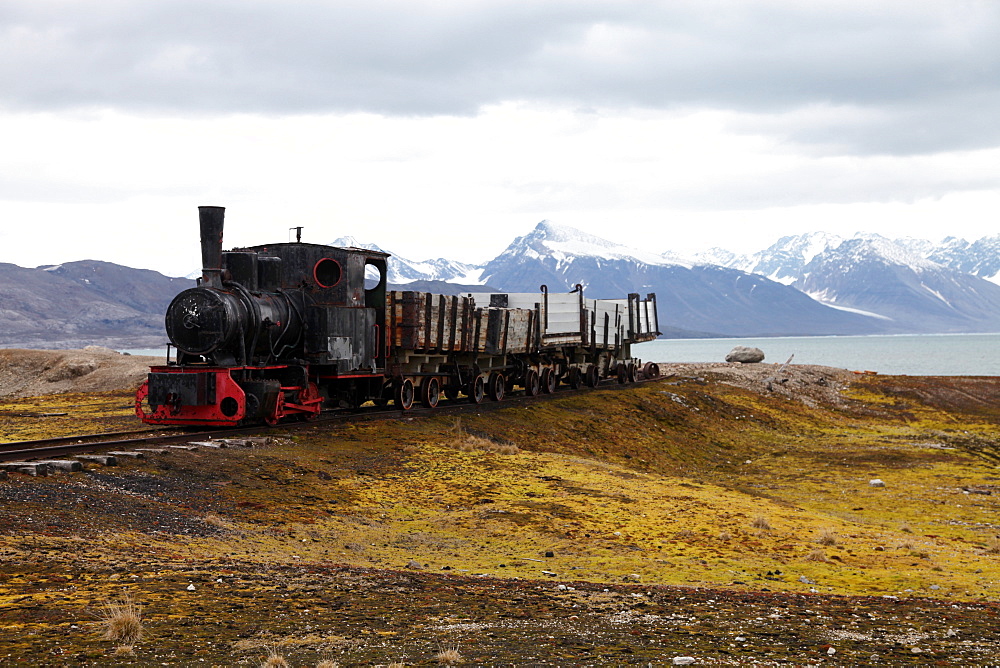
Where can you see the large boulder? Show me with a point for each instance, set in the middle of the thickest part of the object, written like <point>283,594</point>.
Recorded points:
<point>745,354</point>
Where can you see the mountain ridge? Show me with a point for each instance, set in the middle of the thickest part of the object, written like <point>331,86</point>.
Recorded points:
<point>810,284</point>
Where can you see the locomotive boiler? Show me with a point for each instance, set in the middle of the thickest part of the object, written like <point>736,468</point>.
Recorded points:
<point>277,332</point>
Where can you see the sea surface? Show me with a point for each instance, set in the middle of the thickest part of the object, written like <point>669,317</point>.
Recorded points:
<point>914,355</point>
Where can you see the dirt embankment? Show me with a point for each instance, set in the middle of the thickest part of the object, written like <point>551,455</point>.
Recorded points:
<point>29,373</point>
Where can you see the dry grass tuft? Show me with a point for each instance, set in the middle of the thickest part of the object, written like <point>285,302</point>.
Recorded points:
<point>762,523</point>
<point>725,536</point>
<point>467,442</point>
<point>684,534</point>
<point>327,663</point>
<point>125,650</point>
<point>214,520</point>
<point>122,620</point>
<point>827,537</point>
<point>993,545</point>
<point>449,656</point>
<point>395,664</point>
<point>275,660</point>
<point>817,555</point>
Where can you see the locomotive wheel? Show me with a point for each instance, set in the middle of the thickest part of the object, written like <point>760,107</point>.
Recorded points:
<point>404,395</point>
<point>575,378</point>
<point>532,385</point>
<point>633,372</point>
<point>592,376</point>
<point>476,390</point>
<point>650,370</point>
<point>549,380</point>
<point>621,372</point>
<point>430,392</point>
<point>496,387</point>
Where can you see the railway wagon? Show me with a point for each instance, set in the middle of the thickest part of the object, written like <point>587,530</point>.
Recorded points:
<point>277,332</point>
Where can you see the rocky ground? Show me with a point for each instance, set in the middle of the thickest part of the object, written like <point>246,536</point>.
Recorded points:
<point>725,513</point>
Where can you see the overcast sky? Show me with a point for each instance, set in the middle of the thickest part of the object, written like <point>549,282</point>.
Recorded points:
<point>447,128</point>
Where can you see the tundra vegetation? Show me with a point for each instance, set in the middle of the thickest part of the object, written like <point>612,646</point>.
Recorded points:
<point>701,515</point>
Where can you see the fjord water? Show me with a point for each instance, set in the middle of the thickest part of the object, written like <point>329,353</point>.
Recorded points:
<point>914,355</point>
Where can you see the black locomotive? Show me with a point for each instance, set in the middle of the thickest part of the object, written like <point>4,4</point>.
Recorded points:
<point>279,331</point>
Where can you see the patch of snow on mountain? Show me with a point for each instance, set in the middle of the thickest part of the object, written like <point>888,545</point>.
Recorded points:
<point>565,243</point>
<point>935,293</point>
<point>719,257</point>
<point>890,251</point>
<point>824,299</point>
<point>777,277</point>
<point>351,242</point>
<point>813,244</point>
<point>473,277</point>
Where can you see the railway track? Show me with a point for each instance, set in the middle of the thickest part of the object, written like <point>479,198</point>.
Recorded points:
<point>92,443</point>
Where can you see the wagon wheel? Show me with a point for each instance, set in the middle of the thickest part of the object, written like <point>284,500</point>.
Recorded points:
<point>621,372</point>
<point>430,392</point>
<point>476,390</point>
<point>496,388</point>
<point>575,378</point>
<point>592,376</point>
<point>650,370</point>
<point>532,384</point>
<point>633,372</point>
<point>549,380</point>
<point>404,395</point>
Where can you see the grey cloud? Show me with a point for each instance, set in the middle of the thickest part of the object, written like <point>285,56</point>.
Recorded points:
<point>921,65</point>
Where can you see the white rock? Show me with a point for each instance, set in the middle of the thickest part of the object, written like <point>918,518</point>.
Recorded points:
<point>190,587</point>
<point>876,483</point>
<point>683,660</point>
<point>831,651</point>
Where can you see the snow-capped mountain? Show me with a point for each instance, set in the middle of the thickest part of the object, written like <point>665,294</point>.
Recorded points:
<point>886,278</point>
<point>402,271</point>
<point>980,258</point>
<point>782,261</point>
<point>902,281</point>
<point>693,297</point>
<point>561,256</point>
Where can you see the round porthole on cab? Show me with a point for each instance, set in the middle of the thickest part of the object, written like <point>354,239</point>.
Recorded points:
<point>327,272</point>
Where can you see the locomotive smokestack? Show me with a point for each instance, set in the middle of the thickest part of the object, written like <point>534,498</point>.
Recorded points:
<point>212,219</point>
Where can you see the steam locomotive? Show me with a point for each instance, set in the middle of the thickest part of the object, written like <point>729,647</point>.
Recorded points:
<point>277,332</point>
